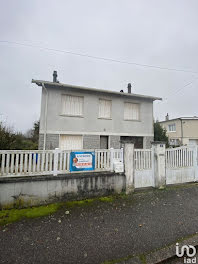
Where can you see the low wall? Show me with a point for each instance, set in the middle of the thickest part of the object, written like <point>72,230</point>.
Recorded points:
<point>37,190</point>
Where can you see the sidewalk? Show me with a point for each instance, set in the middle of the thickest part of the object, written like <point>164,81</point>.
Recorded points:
<point>104,231</point>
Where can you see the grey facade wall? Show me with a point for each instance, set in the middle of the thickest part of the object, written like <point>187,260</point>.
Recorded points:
<point>114,142</point>
<point>90,123</point>
<point>52,141</point>
<point>147,142</point>
<point>37,190</point>
<point>91,142</point>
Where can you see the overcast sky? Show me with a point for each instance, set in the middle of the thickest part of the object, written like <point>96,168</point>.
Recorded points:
<point>156,32</point>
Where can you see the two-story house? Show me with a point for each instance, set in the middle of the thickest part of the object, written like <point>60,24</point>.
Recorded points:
<point>75,117</point>
<point>182,130</point>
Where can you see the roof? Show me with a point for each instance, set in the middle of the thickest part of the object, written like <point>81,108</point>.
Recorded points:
<point>180,118</point>
<point>40,82</point>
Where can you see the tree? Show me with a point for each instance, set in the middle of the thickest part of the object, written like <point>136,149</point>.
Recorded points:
<point>7,138</point>
<point>10,140</point>
<point>160,133</point>
<point>35,132</point>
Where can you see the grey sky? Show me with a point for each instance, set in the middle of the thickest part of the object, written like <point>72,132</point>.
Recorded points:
<point>155,32</point>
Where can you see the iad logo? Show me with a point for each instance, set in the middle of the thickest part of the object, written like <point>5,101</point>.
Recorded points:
<point>189,250</point>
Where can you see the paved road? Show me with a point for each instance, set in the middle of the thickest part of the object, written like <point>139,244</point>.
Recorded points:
<point>103,231</point>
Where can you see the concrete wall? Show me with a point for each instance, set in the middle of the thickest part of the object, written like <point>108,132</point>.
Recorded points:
<point>114,142</point>
<point>52,141</point>
<point>91,142</point>
<point>177,133</point>
<point>90,124</point>
<point>147,142</point>
<point>37,190</point>
<point>189,127</point>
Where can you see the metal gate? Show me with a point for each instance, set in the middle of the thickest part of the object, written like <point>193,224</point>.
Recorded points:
<point>144,168</point>
<point>181,165</point>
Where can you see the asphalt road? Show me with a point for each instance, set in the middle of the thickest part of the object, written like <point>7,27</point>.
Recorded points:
<point>104,230</point>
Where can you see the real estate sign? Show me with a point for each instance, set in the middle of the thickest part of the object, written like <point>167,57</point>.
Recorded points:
<point>82,161</point>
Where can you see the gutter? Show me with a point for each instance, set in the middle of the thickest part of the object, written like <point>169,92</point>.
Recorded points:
<point>46,107</point>
<point>94,90</point>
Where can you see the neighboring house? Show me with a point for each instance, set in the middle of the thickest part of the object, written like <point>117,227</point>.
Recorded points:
<point>75,117</point>
<point>181,131</point>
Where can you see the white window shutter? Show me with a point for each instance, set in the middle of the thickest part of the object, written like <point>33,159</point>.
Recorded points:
<point>70,142</point>
<point>131,111</point>
<point>72,105</point>
<point>105,108</point>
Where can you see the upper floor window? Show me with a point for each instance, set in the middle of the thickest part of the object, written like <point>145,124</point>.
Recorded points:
<point>72,105</point>
<point>172,128</point>
<point>105,108</point>
<point>131,111</point>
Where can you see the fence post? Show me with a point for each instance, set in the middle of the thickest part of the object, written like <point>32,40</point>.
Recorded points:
<point>129,166</point>
<point>195,161</point>
<point>159,151</point>
<point>55,169</point>
<point>111,159</point>
<point>122,155</point>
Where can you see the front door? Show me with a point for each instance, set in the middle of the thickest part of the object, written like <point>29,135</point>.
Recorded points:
<point>104,142</point>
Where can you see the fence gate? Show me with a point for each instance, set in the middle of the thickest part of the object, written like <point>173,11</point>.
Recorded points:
<point>181,165</point>
<point>144,168</point>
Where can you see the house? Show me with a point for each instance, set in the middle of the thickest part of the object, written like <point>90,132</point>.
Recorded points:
<point>75,117</point>
<point>182,130</point>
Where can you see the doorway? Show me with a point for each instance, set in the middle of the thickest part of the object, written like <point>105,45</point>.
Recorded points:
<point>104,142</point>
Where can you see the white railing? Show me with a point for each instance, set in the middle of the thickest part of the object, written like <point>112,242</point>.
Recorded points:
<point>102,159</point>
<point>106,157</point>
<point>143,159</point>
<point>33,162</point>
<point>17,162</point>
<point>179,157</point>
<point>39,162</point>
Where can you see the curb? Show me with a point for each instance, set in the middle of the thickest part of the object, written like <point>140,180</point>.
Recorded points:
<point>160,255</point>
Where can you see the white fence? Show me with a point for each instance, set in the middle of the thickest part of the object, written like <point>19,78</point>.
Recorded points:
<point>143,162</point>
<point>181,165</point>
<point>39,162</point>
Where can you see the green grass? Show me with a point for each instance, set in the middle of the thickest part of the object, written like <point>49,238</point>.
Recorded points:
<point>8,216</point>
<point>79,203</point>
<point>13,215</point>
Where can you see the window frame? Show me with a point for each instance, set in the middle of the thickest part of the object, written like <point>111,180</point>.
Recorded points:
<point>104,99</point>
<point>139,117</point>
<point>174,126</point>
<point>70,115</point>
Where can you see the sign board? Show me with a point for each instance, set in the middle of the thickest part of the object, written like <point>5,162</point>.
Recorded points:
<point>82,161</point>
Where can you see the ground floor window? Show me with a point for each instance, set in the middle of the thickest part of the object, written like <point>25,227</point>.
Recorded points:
<point>71,142</point>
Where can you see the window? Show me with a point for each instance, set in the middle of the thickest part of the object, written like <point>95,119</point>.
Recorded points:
<point>105,109</point>
<point>72,105</point>
<point>174,142</point>
<point>131,111</point>
<point>172,128</point>
<point>70,142</point>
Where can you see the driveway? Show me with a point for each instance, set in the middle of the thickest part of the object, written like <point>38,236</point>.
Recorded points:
<point>104,231</point>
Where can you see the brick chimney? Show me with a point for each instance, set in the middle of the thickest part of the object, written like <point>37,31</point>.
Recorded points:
<point>167,117</point>
<point>129,87</point>
<point>55,75</point>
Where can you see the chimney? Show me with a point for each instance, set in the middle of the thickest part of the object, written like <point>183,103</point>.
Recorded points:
<point>55,76</point>
<point>167,117</point>
<point>129,87</point>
